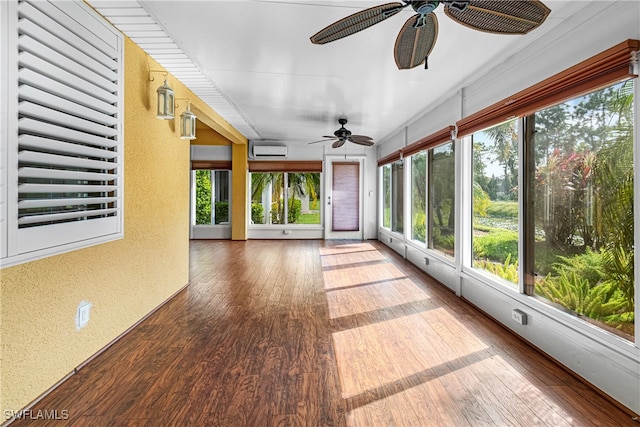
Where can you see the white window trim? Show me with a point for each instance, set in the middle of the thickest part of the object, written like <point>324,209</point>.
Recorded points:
<point>20,245</point>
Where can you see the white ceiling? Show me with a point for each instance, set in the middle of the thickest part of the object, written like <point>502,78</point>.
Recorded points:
<point>252,61</point>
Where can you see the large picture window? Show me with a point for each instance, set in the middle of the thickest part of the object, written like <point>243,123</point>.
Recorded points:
<point>583,207</point>
<point>495,200</point>
<point>285,198</point>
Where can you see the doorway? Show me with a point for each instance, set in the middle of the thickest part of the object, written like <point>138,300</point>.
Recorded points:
<point>343,200</point>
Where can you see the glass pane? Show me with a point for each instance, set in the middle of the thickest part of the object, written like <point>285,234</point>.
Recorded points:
<point>386,196</point>
<point>203,184</point>
<point>397,197</point>
<point>304,198</point>
<point>583,192</point>
<point>221,194</point>
<point>495,200</point>
<point>418,196</point>
<point>441,196</point>
<point>267,198</point>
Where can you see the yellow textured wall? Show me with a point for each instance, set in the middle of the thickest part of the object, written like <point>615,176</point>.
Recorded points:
<point>239,192</point>
<point>207,136</point>
<point>125,279</point>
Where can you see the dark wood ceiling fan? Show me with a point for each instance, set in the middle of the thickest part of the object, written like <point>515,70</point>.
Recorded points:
<point>343,135</point>
<point>419,33</point>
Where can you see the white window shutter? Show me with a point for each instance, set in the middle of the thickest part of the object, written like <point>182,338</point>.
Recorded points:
<point>64,159</point>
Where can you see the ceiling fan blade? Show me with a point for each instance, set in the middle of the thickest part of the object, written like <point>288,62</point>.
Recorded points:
<point>356,22</point>
<point>364,142</point>
<point>339,143</point>
<point>361,137</point>
<point>501,16</point>
<point>321,140</point>
<point>413,45</point>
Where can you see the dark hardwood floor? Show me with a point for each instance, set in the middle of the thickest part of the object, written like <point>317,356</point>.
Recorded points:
<point>320,333</point>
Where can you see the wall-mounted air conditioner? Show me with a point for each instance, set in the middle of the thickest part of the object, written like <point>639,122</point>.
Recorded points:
<point>269,152</point>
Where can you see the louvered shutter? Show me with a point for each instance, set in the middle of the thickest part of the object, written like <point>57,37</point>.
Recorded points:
<point>64,186</point>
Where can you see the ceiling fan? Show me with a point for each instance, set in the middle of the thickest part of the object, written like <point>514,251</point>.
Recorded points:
<point>418,35</point>
<point>343,135</point>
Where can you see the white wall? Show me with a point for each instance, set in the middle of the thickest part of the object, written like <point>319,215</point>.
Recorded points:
<point>608,362</point>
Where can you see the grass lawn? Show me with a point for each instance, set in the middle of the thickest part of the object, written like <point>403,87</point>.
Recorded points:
<point>310,218</point>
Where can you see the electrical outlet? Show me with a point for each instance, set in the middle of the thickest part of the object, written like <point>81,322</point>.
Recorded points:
<point>519,316</point>
<point>82,314</point>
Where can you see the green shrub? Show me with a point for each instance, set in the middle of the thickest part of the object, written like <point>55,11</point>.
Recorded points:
<point>257,213</point>
<point>587,266</point>
<point>574,292</point>
<point>506,270</point>
<point>498,245</point>
<point>295,207</point>
<point>222,212</point>
<point>443,241</point>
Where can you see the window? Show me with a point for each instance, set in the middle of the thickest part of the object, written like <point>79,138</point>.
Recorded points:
<point>386,196</point>
<point>63,156</point>
<point>285,198</point>
<point>304,198</point>
<point>397,196</point>
<point>583,241</point>
<point>441,199</point>
<point>418,196</point>
<point>495,200</point>
<point>211,202</point>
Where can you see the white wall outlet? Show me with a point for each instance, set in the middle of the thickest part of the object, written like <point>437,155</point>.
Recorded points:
<point>519,316</point>
<point>82,314</point>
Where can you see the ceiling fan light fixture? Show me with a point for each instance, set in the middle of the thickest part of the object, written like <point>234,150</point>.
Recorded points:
<point>419,34</point>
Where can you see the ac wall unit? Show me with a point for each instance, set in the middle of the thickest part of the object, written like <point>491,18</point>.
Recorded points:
<point>270,151</point>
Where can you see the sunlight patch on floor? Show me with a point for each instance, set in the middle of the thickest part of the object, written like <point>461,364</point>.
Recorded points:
<point>375,355</point>
<point>364,298</point>
<point>355,276</point>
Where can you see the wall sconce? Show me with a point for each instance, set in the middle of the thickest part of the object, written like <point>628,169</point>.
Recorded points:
<point>187,124</point>
<point>166,101</point>
<point>166,98</point>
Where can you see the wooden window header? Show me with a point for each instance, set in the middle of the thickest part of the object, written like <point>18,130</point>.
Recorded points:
<point>211,164</point>
<point>437,138</point>
<point>285,166</point>
<point>611,66</point>
<point>390,158</point>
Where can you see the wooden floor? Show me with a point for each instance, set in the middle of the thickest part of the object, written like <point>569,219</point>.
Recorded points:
<point>319,333</point>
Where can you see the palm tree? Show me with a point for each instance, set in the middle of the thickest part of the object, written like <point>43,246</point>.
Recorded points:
<point>299,185</point>
<point>505,138</point>
<point>259,182</point>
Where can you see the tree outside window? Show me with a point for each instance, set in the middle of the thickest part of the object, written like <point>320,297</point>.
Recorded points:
<point>583,207</point>
<point>495,200</point>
